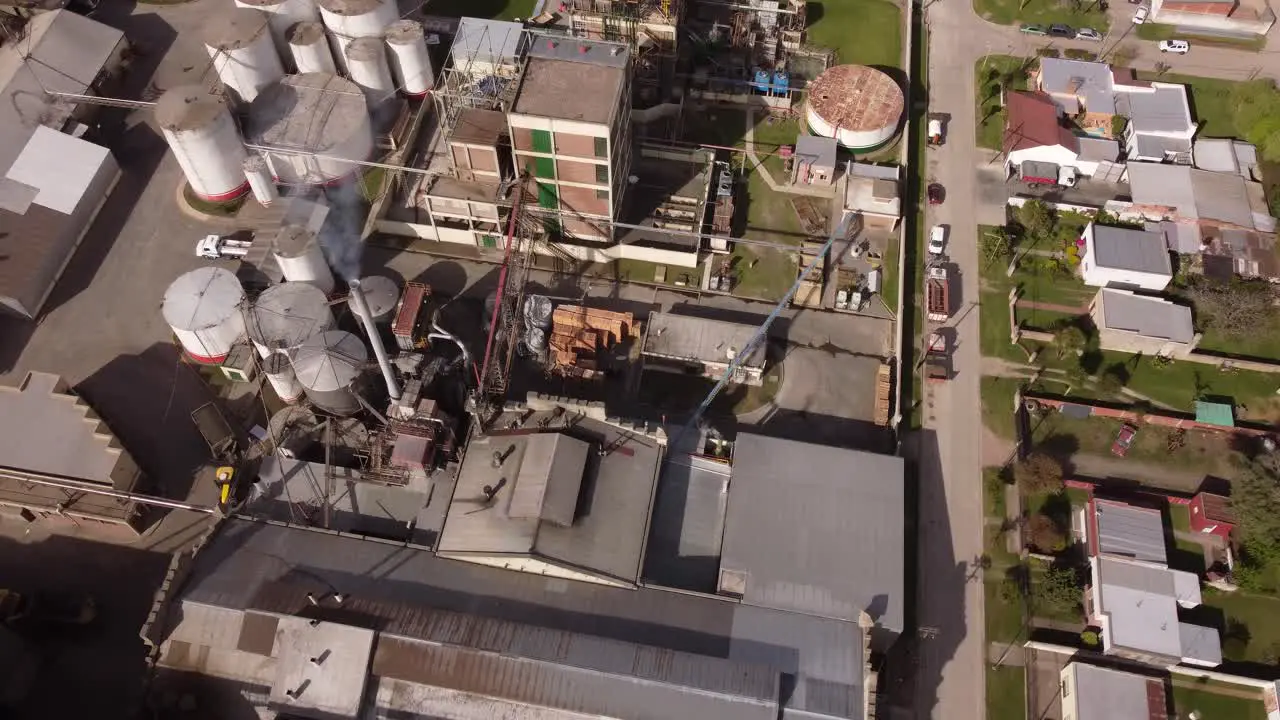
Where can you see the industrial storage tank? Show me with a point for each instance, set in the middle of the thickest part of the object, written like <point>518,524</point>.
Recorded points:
<point>301,259</point>
<point>328,366</point>
<point>244,56</point>
<point>537,311</point>
<point>382,295</point>
<point>310,48</point>
<point>279,371</point>
<point>258,173</point>
<point>203,308</point>
<point>367,67</point>
<point>857,105</point>
<point>351,19</point>
<point>286,315</point>
<point>410,61</point>
<point>205,141</point>
<point>282,15</point>
<point>323,118</point>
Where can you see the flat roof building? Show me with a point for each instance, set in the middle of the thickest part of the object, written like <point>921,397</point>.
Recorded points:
<point>1133,323</point>
<point>1125,257</point>
<point>684,342</point>
<point>1090,692</point>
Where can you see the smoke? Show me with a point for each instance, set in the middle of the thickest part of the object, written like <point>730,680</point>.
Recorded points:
<point>340,234</point>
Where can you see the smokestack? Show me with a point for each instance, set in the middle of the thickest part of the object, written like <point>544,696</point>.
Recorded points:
<point>379,350</point>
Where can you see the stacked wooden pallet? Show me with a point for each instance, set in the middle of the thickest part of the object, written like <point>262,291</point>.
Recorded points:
<point>884,389</point>
<point>578,333</point>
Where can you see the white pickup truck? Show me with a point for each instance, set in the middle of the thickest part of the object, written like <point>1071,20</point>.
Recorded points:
<point>217,246</point>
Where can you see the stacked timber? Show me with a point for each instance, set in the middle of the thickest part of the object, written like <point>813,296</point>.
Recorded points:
<point>884,388</point>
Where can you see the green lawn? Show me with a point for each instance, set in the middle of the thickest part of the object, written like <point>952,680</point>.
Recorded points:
<point>866,32</point>
<point>1006,693</point>
<point>1263,342</point>
<point>1157,31</point>
<point>1212,706</point>
<point>1004,619</point>
<point>1180,516</point>
<point>989,73</point>
<point>1211,101</point>
<point>496,9</point>
<point>763,272</point>
<point>889,285</point>
<point>1040,12</point>
<point>1258,613</point>
<point>643,271</point>
<point>997,405</point>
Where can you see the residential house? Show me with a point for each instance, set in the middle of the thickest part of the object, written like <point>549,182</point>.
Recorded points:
<point>1035,130</point>
<point>685,343</point>
<point>874,192</point>
<point>1159,127</point>
<point>1212,200</point>
<point>1121,257</point>
<point>1224,155</point>
<point>1134,597</point>
<point>1132,323</point>
<point>814,161</point>
<point>1212,514</point>
<point>1090,692</point>
<point>1230,17</point>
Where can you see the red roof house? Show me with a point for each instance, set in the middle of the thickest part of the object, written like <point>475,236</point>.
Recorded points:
<point>1211,514</point>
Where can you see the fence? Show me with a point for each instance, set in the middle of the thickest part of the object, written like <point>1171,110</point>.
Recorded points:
<point>1149,418</point>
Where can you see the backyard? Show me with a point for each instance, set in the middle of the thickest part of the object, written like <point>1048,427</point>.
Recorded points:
<point>866,32</point>
<point>990,72</point>
<point>1006,693</point>
<point>1256,614</point>
<point>1211,705</point>
<point>1041,12</point>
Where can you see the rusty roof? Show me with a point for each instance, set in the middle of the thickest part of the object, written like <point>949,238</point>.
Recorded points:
<point>856,97</point>
<point>1217,508</point>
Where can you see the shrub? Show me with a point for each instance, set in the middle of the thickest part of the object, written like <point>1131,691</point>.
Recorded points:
<point>1039,473</point>
<point>1089,638</point>
<point>1045,535</point>
<point>1080,54</point>
<point>1048,52</point>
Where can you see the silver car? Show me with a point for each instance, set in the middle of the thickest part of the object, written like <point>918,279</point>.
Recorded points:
<point>1088,34</point>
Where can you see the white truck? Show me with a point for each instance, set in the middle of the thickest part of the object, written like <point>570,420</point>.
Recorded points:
<point>217,246</point>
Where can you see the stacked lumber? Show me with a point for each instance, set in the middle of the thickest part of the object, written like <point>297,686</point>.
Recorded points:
<point>578,333</point>
<point>884,388</point>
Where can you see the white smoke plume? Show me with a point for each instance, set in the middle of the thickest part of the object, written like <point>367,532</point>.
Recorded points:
<point>340,234</point>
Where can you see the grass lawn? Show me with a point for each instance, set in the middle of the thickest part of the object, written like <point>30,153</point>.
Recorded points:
<point>770,215</point>
<point>1158,31</point>
<point>1040,12</point>
<point>496,9</point>
<point>1004,619</point>
<point>1006,693</point>
<point>889,285</point>
<point>989,72</point>
<point>763,272</point>
<point>1258,613</point>
<point>1262,343</point>
<point>1212,706</point>
<point>643,271</point>
<point>866,32</point>
<point>997,405</point>
<point>1180,516</point>
<point>1211,102</point>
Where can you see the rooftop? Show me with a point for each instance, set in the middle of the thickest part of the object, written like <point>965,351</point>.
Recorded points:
<point>873,189</point>
<point>492,42</point>
<point>829,541</point>
<point>687,529</point>
<point>671,191</point>
<point>1130,531</point>
<point>856,97</point>
<point>571,79</point>
<point>1103,693</point>
<point>1098,149</point>
<point>1141,603</point>
<point>1217,508</point>
<point>1163,110</point>
<point>1092,82</point>
<point>311,111</point>
<point>1131,249</point>
<point>685,337</point>
<point>1194,194</point>
<point>1146,316</point>
<point>478,126</point>
<point>1033,121</point>
<point>1226,156</point>
<point>821,151</point>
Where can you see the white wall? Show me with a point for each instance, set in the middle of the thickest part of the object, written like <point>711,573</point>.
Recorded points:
<point>1209,22</point>
<point>1115,277</point>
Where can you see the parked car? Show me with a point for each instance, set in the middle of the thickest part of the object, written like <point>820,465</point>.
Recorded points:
<point>1141,16</point>
<point>936,193</point>
<point>1088,34</point>
<point>1062,31</point>
<point>1178,47</point>
<point>937,240</point>
<point>1124,439</point>
<point>1033,30</point>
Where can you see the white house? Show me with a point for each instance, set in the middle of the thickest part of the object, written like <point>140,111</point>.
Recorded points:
<point>1142,324</point>
<point>1160,127</point>
<point>1125,258</point>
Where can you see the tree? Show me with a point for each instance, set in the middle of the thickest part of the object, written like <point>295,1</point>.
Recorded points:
<point>996,245</point>
<point>1117,125</point>
<point>1036,219</point>
<point>1045,535</point>
<point>1070,340</point>
<point>1039,473</point>
<point>1255,499</point>
<point>1058,590</point>
<point>1114,378</point>
<point>1234,308</point>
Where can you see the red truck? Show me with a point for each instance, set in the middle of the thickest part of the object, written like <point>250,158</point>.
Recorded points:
<point>937,294</point>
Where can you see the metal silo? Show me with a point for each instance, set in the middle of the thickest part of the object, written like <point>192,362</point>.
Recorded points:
<point>203,308</point>
<point>244,56</point>
<point>258,173</point>
<point>410,61</point>
<point>282,15</point>
<point>279,372</point>
<point>286,315</point>
<point>367,67</point>
<point>204,139</point>
<point>310,48</point>
<point>328,366</point>
<point>301,259</point>
<point>351,19</point>
<point>382,295</point>
<point>537,311</point>
<point>323,120</point>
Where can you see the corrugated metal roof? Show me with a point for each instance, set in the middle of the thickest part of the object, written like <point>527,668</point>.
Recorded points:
<point>1214,413</point>
<point>1130,531</point>
<point>1103,694</point>
<point>549,478</point>
<point>701,339</point>
<point>1131,249</point>
<point>687,528</point>
<point>1146,316</point>
<point>1162,110</point>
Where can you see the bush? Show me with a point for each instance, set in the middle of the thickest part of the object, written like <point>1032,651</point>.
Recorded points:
<point>1045,535</point>
<point>1048,52</point>
<point>1089,638</point>
<point>1080,54</point>
<point>1039,473</point>
<point>1117,129</point>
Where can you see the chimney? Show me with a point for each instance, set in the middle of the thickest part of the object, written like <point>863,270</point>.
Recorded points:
<point>375,340</point>
<point>311,598</point>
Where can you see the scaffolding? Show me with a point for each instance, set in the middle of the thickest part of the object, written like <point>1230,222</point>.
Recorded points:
<point>650,27</point>
<point>482,77</point>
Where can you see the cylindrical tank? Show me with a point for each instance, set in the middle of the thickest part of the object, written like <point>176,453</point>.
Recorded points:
<point>285,315</point>
<point>410,61</point>
<point>382,294</point>
<point>327,366</point>
<point>282,15</point>
<point>535,339</point>
<point>205,141</point>
<point>203,308</point>
<point>367,67</point>
<point>258,173</point>
<point>301,259</point>
<point>279,372</point>
<point>324,117</point>
<point>537,311</point>
<point>857,105</point>
<point>351,19</point>
<point>310,49</point>
<point>244,56</point>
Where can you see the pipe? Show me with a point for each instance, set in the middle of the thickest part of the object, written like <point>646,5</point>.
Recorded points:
<point>34,478</point>
<point>375,340</point>
<point>443,334</point>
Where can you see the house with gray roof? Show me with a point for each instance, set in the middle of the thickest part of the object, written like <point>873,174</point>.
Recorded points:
<point>814,161</point>
<point>1160,126</point>
<point>1124,257</point>
<point>1225,155</point>
<point>1132,323</point>
<point>684,343</point>
<point>1090,692</point>
<point>1209,199</point>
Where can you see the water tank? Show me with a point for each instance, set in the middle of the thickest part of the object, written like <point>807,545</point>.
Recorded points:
<point>258,173</point>
<point>535,339</point>
<point>279,372</point>
<point>244,56</point>
<point>203,308</point>
<point>367,67</point>
<point>324,118</point>
<point>282,15</point>
<point>301,259</point>
<point>382,294</point>
<point>204,139</point>
<point>537,311</point>
<point>857,105</point>
<point>310,48</point>
<point>328,366</point>
<point>410,61</point>
<point>286,315</point>
<point>351,19</point>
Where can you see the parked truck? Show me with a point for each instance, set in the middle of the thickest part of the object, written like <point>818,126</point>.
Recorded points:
<point>937,361</point>
<point>1035,172</point>
<point>937,294</point>
<point>217,246</point>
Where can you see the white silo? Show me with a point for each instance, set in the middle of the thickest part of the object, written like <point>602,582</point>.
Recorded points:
<point>279,371</point>
<point>857,105</point>
<point>205,141</point>
<point>328,366</point>
<point>309,48</point>
<point>410,61</point>
<point>382,295</point>
<point>245,58</point>
<point>301,259</point>
<point>323,119</point>
<point>351,19</point>
<point>285,315</point>
<point>282,15</point>
<point>367,67</point>
<point>203,308</point>
<point>258,173</point>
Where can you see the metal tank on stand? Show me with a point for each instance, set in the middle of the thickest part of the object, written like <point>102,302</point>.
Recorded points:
<point>301,259</point>
<point>410,60</point>
<point>282,15</point>
<point>328,366</point>
<point>351,19</point>
<point>203,137</point>
<point>309,48</point>
<point>244,56</point>
<point>279,371</point>
<point>203,309</point>
<point>382,295</point>
<point>286,315</point>
<point>367,67</point>
<point>258,173</point>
